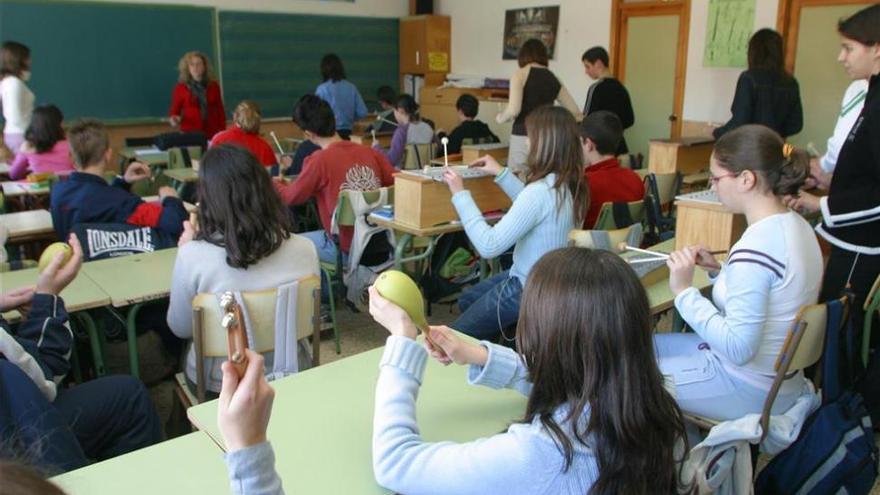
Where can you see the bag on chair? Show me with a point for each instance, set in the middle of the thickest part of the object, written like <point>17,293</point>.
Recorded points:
<point>835,452</point>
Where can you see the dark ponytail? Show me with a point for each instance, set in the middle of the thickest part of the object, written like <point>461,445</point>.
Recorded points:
<point>408,104</point>
<point>782,168</point>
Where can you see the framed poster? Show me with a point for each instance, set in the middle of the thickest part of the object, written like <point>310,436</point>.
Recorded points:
<point>521,25</point>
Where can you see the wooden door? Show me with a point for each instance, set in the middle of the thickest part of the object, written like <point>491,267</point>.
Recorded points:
<point>649,55</point>
<point>811,49</point>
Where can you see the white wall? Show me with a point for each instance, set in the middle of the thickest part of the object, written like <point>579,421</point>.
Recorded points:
<point>708,90</point>
<point>365,8</point>
<point>477,28</point>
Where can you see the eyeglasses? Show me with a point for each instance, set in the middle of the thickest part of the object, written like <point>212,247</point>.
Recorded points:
<point>713,179</point>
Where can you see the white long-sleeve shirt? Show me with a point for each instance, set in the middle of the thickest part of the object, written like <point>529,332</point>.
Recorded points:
<point>17,101</point>
<point>850,108</point>
<point>773,270</point>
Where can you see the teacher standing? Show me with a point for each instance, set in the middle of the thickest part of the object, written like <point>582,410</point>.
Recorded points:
<point>196,103</point>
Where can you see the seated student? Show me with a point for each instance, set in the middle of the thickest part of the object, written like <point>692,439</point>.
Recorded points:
<point>45,148</point>
<point>601,133</point>
<point>85,197</point>
<point>243,413</point>
<point>467,107</point>
<point>385,121</point>
<point>245,131</point>
<point>243,243</point>
<point>64,428</point>
<point>596,422</point>
<point>544,210</point>
<point>339,165</point>
<point>410,130</point>
<point>303,151</point>
<point>725,369</point>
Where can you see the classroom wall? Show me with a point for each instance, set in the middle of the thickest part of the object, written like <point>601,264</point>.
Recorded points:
<point>477,32</point>
<point>366,8</point>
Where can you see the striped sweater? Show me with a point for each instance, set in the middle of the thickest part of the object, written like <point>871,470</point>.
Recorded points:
<point>773,270</point>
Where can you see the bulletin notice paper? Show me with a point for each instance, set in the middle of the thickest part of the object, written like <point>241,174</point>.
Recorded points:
<point>728,30</point>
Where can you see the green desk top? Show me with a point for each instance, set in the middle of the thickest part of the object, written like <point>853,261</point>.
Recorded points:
<point>133,279</point>
<point>80,295</point>
<point>321,426</point>
<point>660,296</point>
<point>150,156</point>
<point>14,188</point>
<point>181,174</point>
<point>191,465</point>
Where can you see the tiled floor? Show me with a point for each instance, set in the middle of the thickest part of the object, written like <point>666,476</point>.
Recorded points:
<point>359,333</point>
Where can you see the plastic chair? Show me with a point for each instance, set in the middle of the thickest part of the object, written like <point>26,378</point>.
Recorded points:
<point>872,307</point>
<point>606,221</point>
<point>416,156</point>
<point>802,348</point>
<point>209,337</point>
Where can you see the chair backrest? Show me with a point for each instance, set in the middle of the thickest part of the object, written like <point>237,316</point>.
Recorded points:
<point>344,212</point>
<point>667,187</point>
<point>608,240</point>
<point>181,157</point>
<point>478,140</point>
<point>605,220</point>
<point>209,337</point>
<point>134,142</point>
<point>417,156</point>
<point>802,348</point>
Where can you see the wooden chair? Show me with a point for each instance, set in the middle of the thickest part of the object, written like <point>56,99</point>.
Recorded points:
<point>872,308</point>
<point>417,156</point>
<point>605,220</point>
<point>802,348</point>
<point>209,337</point>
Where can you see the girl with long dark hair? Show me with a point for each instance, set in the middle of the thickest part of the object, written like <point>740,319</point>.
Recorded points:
<point>766,93</point>
<point>598,419</point>
<point>243,243</point>
<point>45,148</point>
<point>552,201</point>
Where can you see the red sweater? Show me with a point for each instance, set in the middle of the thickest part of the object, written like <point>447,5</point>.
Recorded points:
<point>610,183</point>
<point>252,142</point>
<point>342,165</point>
<point>184,104</point>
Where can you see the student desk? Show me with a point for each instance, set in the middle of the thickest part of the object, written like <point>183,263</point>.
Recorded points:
<point>4,170</point>
<point>131,281</point>
<point>181,177</point>
<point>26,226</point>
<point>190,464</point>
<point>322,420</point>
<point>82,294</point>
<point>149,156</point>
<point>16,188</point>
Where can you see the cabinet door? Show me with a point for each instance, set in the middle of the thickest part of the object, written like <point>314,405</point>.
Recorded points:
<point>412,46</point>
<point>437,45</point>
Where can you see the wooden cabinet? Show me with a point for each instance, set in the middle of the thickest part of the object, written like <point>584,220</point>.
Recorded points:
<point>425,44</point>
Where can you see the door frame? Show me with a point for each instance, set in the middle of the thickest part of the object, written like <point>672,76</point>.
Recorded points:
<point>788,22</point>
<point>621,12</point>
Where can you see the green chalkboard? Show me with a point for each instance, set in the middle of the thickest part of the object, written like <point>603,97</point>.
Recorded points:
<point>275,58</point>
<point>116,62</point>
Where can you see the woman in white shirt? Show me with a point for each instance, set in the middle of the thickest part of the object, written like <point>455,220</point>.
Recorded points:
<point>15,97</point>
<point>725,369</point>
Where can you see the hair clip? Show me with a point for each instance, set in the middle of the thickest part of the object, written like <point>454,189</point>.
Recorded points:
<point>787,148</point>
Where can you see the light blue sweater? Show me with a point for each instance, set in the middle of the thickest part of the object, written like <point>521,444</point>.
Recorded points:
<point>252,471</point>
<point>523,460</point>
<point>345,100</point>
<point>536,223</point>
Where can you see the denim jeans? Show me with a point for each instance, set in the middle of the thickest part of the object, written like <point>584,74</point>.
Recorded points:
<point>490,307</point>
<point>325,246</point>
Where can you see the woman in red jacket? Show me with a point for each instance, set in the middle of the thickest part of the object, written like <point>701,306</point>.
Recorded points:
<point>196,103</point>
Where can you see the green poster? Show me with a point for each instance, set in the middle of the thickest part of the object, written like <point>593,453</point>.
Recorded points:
<point>728,30</point>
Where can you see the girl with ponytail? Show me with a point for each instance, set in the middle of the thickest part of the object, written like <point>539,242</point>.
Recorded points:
<point>725,369</point>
